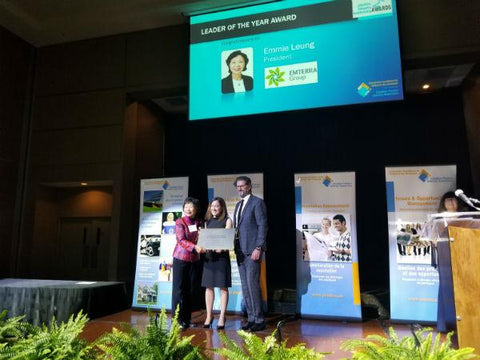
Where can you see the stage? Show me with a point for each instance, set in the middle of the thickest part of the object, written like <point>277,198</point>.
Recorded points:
<point>40,300</point>
<point>322,335</point>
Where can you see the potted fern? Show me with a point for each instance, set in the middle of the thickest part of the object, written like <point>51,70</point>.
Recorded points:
<point>13,329</point>
<point>419,346</point>
<point>22,341</point>
<point>158,342</point>
<point>254,348</point>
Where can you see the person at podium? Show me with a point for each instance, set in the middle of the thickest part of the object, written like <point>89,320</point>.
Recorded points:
<point>441,261</point>
<point>450,203</point>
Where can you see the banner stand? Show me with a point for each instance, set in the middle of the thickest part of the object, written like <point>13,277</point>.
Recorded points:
<point>326,237</point>
<point>161,203</point>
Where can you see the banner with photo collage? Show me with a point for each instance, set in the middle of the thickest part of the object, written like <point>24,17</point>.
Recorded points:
<point>161,203</point>
<point>413,193</point>
<point>222,186</point>
<point>327,262</point>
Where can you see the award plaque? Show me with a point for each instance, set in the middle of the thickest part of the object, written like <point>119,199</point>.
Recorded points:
<point>216,239</point>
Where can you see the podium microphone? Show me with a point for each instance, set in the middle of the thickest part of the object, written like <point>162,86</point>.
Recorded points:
<point>475,201</point>
<point>461,195</point>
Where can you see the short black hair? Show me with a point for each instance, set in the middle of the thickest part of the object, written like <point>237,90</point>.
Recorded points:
<point>340,218</point>
<point>196,204</point>
<point>448,195</point>
<point>243,178</point>
<point>235,54</point>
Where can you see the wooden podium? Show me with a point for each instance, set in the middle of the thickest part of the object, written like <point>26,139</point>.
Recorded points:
<point>459,272</point>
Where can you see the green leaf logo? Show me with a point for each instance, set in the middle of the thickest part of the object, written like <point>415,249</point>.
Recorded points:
<point>275,77</point>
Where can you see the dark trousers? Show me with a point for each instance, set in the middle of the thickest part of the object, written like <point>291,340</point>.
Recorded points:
<point>250,277</point>
<point>185,276</point>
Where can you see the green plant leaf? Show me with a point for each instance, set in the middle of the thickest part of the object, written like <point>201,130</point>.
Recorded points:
<point>254,348</point>
<point>383,348</point>
<point>158,342</point>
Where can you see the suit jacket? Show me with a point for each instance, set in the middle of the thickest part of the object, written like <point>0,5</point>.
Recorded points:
<point>227,84</point>
<point>252,227</point>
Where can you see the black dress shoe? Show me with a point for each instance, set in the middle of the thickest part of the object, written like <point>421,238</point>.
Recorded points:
<point>258,327</point>
<point>184,326</point>
<point>248,325</point>
<point>208,325</point>
<point>221,327</point>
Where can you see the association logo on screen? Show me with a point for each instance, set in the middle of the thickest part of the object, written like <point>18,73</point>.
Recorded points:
<point>363,89</point>
<point>362,8</point>
<point>291,75</point>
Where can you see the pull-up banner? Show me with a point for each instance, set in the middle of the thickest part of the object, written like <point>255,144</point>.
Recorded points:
<point>412,194</point>
<point>222,186</point>
<point>161,203</point>
<point>327,261</point>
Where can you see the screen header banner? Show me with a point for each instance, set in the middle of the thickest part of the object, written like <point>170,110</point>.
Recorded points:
<point>285,19</point>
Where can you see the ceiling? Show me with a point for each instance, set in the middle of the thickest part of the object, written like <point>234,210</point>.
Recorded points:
<point>48,22</point>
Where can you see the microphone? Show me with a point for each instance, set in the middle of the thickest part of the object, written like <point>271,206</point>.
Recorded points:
<point>461,195</point>
<point>475,201</point>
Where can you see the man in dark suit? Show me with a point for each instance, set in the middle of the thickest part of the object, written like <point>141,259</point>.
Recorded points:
<point>250,220</point>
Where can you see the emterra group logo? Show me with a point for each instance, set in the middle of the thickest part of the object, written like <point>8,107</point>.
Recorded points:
<point>291,75</point>
<point>424,175</point>
<point>275,76</point>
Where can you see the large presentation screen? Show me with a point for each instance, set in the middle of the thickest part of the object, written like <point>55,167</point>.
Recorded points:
<point>293,54</point>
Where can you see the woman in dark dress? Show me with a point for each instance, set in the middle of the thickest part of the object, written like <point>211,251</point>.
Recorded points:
<point>216,267</point>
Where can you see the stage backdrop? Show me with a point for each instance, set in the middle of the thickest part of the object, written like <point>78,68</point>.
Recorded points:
<point>327,284</point>
<point>161,203</point>
<point>412,194</point>
<point>222,185</point>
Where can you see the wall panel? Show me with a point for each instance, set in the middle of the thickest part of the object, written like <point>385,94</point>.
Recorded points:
<point>16,64</point>
<point>81,66</point>
<point>95,108</point>
<point>77,146</point>
<point>158,57</point>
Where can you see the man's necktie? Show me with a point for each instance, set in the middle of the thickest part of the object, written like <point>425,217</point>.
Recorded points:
<point>239,213</point>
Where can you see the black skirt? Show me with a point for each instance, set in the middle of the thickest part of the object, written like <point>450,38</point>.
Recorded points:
<point>217,270</point>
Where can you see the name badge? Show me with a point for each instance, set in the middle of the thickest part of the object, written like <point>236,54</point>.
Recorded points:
<point>192,228</point>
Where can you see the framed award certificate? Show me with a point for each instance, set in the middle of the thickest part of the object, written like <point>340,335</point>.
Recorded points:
<point>216,239</point>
